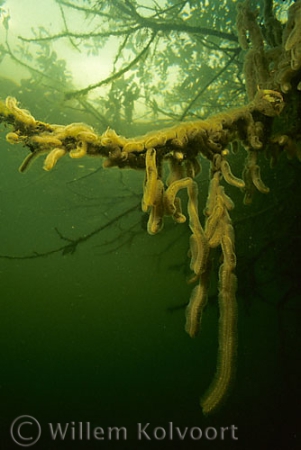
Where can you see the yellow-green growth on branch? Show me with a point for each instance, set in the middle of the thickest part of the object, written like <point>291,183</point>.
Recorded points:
<point>270,74</point>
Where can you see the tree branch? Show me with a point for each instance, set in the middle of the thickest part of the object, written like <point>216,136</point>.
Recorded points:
<point>113,77</point>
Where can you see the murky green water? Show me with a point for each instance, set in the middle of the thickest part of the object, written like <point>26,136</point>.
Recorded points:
<point>93,309</point>
<point>95,336</point>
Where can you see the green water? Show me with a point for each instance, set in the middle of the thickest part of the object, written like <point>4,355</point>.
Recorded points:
<point>93,337</point>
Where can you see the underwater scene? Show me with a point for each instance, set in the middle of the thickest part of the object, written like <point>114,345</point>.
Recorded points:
<point>150,224</point>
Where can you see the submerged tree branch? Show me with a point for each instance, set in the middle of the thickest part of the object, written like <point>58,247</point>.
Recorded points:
<point>71,244</point>
<point>113,77</point>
